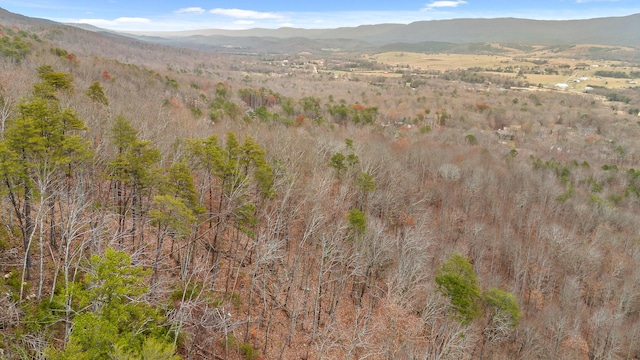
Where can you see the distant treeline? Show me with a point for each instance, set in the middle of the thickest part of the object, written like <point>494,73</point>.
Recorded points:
<point>477,78</point>
<point>618,97</point>
<point>617,74</point>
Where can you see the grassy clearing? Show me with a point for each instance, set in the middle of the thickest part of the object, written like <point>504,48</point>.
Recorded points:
<point>444,62</point>
<point>571,71</point>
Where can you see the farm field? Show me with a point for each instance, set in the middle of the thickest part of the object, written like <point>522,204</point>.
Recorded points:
<point>553,68</point>
<point>444,62</point>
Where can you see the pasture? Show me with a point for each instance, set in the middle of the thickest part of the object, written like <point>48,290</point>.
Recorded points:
<point>557,66</point>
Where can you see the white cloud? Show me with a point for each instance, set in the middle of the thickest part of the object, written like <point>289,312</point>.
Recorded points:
<point>190,10</point>
<point>116,22</point>
<point>245,14</point>
<point>444,4</point>
<point>129,20</point>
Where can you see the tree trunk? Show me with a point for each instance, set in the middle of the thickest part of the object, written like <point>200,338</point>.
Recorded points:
<point>28,229</point>
<point>134,215</point>
<point>159,242</point>
<point>52,223</point>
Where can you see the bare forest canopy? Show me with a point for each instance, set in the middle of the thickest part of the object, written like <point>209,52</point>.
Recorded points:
<point>166,202</point>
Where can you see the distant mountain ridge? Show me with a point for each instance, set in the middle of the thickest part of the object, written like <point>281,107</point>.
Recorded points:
<point>618,31</point>
<point>427,36</point>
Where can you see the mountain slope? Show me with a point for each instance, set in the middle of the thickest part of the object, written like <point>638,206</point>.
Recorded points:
<point>619,31</point>
<point>608,31</point>
<point>258,207</point>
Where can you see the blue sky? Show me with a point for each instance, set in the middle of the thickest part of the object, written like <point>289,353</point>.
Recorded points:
<point>153,15</point>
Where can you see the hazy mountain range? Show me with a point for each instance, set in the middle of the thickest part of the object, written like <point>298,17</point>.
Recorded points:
<point>619,31</point>
<point>437,35</point>
<point>606,31</point>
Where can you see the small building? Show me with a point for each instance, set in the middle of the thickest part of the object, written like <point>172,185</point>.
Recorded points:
<point>505,134</point>
<point>508,132</point>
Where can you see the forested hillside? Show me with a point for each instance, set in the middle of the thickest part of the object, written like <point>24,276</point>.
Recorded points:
<point>615,31</point>
<point>165,203</point>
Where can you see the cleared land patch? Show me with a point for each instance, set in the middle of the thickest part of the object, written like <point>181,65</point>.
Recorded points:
<point>544,66</point>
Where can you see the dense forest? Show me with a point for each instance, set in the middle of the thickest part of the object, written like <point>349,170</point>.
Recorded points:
<point>167,203</point>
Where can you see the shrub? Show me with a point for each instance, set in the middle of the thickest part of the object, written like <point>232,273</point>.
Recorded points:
<point>470,139</point>
<point>481,107</point>
<point>357,221</point>
<point>249,352</point>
